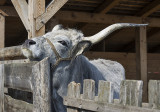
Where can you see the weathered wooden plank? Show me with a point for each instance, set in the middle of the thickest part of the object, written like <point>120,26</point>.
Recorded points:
<point>141,59</point>
<point>21,7</point>
<point>15,61</point>
<point>36,8</point>
<point>73,92</point>
<point>88,89</point>
<point>41,89</point>
<point>1,88</point>
<point>154,93</point>
<point>53,7</point>
<point>18,76</point>
<point>91,17</point>
<point>13,105</point>
<point>10,52</point>
<point>100,107</point>
<point>103,18</point>
<point>105,92</point>
<point>2,31</point>
<point>147,105</point>
<point>131,93</point>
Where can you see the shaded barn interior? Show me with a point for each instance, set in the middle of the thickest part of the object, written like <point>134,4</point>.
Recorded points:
<point>91,16</point>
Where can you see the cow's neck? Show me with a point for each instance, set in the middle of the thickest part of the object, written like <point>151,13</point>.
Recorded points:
<point>76,70</point>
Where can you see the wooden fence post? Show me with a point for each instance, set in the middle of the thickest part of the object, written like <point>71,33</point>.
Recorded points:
<point>88,89</point>
<point>154,93</point>
<point>1,88</point>
<point>105,92</point>
<point>131,93</point>
<point>73,92</point>
<point>41,86</point>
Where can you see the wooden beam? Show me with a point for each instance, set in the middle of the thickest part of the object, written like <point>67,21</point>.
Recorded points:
<point>21,7</point>
<point>149,9</point>
<point>141,59</point>
<point>106,6</point>
<point>36,8</point>
<point>99,18</point>
<point>19,76</point>
<point>10,52</point>
<point>2,31</point>
<point>103,18</point>
<point>53,7</point>
<point>2,2</point>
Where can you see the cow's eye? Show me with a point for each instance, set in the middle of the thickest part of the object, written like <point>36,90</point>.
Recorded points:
<point>63,43</point>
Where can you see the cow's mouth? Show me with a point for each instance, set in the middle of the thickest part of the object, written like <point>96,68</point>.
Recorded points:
<point>27,53</point>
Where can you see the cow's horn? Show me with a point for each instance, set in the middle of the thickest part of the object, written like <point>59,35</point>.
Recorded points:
<point>104,33</point>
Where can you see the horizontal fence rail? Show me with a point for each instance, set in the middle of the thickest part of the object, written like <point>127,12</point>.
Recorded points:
<point>130,97</point>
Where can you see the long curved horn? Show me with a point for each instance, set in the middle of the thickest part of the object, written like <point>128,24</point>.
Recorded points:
<point>104,33</point>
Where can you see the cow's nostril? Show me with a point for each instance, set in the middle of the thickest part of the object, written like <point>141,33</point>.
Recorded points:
<point>31,42</point>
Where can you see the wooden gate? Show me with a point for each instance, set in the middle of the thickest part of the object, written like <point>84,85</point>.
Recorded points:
<point>27,76</point>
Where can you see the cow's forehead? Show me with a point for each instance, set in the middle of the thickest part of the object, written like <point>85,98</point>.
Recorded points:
<point>73,35</point>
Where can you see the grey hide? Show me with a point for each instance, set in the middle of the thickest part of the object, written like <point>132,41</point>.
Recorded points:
<point>72,43</point>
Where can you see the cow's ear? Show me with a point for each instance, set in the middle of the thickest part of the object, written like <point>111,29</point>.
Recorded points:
<point>57,27</point>
<point>80,48</point>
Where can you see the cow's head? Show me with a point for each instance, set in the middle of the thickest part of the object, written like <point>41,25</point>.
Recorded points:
<point>67,42</point>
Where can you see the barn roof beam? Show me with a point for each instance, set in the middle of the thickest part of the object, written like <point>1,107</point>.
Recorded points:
<point>106,6</point>
<point>95,18</point>
<point>149,9</point>
<point>103,18</point>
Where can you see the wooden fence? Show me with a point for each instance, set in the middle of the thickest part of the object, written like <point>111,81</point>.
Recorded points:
<point>130,97</point>
<point>27,76</point>
<point>35,77</point>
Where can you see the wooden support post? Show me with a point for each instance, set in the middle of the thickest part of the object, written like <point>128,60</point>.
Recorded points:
<point>141,58</point>
<point>73,92</point>
<point>1,88</point>
<point>2,31</point>
<point>105,92</point>
<point>36,8</point>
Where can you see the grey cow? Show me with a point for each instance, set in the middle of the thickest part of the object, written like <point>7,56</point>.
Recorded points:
<point>64,47</point>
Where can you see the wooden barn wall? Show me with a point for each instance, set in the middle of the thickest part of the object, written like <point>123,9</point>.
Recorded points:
<point>128,60</point>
